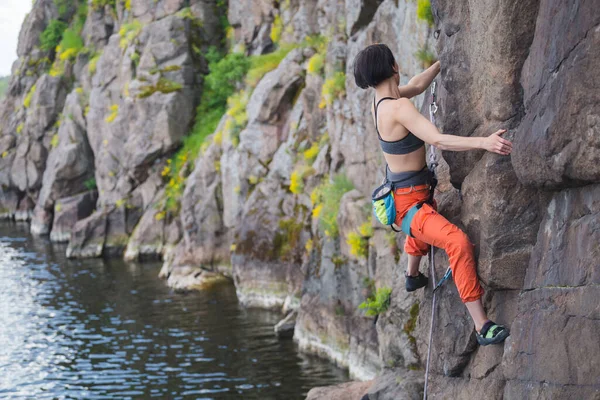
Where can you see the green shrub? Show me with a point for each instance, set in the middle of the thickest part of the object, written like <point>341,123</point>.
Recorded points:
<point>311,153</point>
<point>129,32</point>
<point>426,57</point>
<point>62,6</point>
<point>70,45</point>
<point>99,4</point>
<point>377,304</point>
<point>316,64</point>
<point>359,241</point>
<point>90,184</point>
<point>298,176</point>
<point>424,11</point>
<point>52,35</point>
<point>226,73</point>
<point>276,29</point>
<point>317,42</point>
<point>236,104</point>
<point>333,88</point>
<point>326,199</point>
<point>261,65</point>
<point>80,16</point>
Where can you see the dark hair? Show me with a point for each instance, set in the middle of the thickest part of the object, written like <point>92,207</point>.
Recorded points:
<point>373,65</point>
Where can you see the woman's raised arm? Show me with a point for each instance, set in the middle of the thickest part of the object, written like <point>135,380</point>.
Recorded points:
<point>407,115</point>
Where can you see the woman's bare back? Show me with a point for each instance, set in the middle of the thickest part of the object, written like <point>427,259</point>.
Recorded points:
<point>391,131</point>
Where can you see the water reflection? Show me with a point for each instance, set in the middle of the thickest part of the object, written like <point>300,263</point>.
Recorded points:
<point>97,330</point>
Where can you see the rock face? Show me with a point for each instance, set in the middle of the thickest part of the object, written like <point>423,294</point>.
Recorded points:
<point>276,199</point>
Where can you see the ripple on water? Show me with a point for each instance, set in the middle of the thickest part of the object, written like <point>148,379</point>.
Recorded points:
<point>110,330</point>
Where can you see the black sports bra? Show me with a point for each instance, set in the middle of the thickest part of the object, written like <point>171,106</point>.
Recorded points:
<point>406,145</point>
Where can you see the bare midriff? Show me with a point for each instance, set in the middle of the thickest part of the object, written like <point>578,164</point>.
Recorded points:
<point>414,161</point>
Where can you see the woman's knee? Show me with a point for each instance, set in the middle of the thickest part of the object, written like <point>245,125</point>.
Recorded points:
<point>416,249</point>
<point>459,242</point>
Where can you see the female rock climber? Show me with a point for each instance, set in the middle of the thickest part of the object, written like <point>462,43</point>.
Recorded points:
<point>402,131</point>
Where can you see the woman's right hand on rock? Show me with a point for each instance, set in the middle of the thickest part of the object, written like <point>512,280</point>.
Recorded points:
<point>495,144</point>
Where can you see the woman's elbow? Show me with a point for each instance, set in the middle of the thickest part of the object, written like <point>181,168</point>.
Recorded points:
<point>439,143</point>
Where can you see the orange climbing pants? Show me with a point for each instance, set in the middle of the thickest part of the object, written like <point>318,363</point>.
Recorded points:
<point>430,228</point>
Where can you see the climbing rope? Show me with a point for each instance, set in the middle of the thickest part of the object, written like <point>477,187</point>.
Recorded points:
<point>433,163</point>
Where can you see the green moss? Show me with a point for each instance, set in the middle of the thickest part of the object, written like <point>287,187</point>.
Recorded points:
<point>54,141</point>
<point>424,11</point>
<point>377,304</point>
<point>163,86</point>
<point>287,239</point>
<point>261,65</point>
<point>117,241</point>
<point>327,197</point>
<point>317,42</point>
<point>236,104</point>
<point>20,128</point>
<point>276,29</point>
<point>27,100</point>
<point>171,68</point>
<point>129,32</point>
<point>99,4</point>
<point>186,13</point>
<point>411,324</point>
<point>338,261</point>
<point>92,66</point>
<point>114,112</point>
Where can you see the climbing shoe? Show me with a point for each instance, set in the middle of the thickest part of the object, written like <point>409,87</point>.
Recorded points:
<point>415,282</point>
<point>491,333</point>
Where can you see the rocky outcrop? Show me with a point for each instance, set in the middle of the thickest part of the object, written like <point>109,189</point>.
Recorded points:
<point>69,166</point>
<point>69,210</point>
<point>141,106</point>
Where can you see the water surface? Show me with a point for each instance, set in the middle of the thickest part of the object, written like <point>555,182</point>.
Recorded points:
<point>96,329</point>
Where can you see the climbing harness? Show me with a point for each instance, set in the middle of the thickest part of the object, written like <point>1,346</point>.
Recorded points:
<point>433,163</point>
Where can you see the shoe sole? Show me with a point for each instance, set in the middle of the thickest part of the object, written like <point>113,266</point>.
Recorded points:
<point>498,339</point>
<point>417,288</point>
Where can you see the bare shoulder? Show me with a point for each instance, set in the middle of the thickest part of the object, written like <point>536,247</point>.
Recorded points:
<point>404,104</point>
<point>404,109</point>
